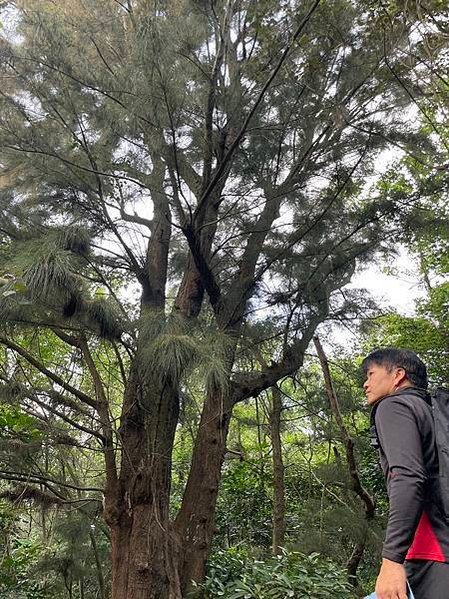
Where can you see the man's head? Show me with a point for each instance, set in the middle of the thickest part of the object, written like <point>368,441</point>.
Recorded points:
<point>387,370</point>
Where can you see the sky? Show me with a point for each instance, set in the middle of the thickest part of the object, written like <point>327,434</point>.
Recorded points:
<point>397,286</point>
<point>394,287</point>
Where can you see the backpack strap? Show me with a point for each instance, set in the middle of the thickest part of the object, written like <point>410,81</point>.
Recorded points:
<point>440,409</point>
<point>373,436</point>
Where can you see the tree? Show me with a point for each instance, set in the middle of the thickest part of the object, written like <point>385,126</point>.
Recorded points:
<point>212,157</point>
<point>426,332</point>
<point>356,483</point>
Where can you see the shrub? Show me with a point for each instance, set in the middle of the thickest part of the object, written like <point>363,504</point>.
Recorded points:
<point>236,574</point>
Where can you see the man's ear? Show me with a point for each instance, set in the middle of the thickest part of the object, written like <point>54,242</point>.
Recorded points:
<point>400,377</point>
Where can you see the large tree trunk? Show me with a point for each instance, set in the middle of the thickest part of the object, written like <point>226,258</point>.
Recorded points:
<point>144,549</point>
<point>195,523</point>
<point>144,557</point>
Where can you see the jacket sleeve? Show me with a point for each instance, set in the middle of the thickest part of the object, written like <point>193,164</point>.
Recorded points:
<point>400,440</point>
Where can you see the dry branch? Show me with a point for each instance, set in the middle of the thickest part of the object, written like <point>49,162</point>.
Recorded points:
<point>357,486</point>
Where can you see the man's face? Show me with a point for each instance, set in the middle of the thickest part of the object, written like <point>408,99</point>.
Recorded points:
<point>380,382</point>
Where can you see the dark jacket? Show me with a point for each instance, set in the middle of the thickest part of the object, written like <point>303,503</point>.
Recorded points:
<point>416,525</point>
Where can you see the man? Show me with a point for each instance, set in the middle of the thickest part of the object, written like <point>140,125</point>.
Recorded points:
<point>416,546</point>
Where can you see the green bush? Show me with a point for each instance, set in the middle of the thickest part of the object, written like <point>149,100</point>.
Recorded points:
<point>236,574</point>
<point>17,569</point>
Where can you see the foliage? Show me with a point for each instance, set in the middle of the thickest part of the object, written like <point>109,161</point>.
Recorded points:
<point>69,558</point>
<point>245,505</point>
<point>20,557</point>
<point>322,513</point>
<point>235,574</point>
<point>421,333</point>
<point>17,576</point>
<point>182,191</point>
<point>44,554</point>
<point>426,332</point>
<point>16,424</point>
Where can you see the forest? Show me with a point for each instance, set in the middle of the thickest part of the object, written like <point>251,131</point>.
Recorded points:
<point>189,193</point>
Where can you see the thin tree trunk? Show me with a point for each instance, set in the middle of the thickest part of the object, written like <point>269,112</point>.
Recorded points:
<point>98,565</point>
<point>278,472</point>
<point>357,487</point>
<point>356,558</point>
<point>68,584</point>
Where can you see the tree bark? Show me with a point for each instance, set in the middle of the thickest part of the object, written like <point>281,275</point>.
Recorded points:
<point>278,473</point>
<point>195,523</point>
<point>144,557</point>
<point>144,548</point>
<point>355,559</point>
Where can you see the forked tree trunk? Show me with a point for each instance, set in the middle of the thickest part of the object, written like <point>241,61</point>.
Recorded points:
<point>195,523</point>
<point>144,550</point>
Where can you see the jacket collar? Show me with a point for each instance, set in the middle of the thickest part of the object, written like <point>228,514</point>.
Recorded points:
<point>413,391</point>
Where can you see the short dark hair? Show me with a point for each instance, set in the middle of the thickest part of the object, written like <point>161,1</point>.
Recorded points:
<point>393,357</point>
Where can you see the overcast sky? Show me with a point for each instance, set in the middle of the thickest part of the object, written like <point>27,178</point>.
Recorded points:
<point>398,289</point>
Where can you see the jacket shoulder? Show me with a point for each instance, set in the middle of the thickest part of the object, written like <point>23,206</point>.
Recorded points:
<point>404,403</point>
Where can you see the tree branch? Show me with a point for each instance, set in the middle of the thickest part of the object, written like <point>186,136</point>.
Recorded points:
<point>357,486</point>
<point>204,270</point>
<point>103,411</point>
<point>221,169</point>
<point>73,423</point>
<point>37,478</point>
<point>48,373</point>
<point>252,384</point>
